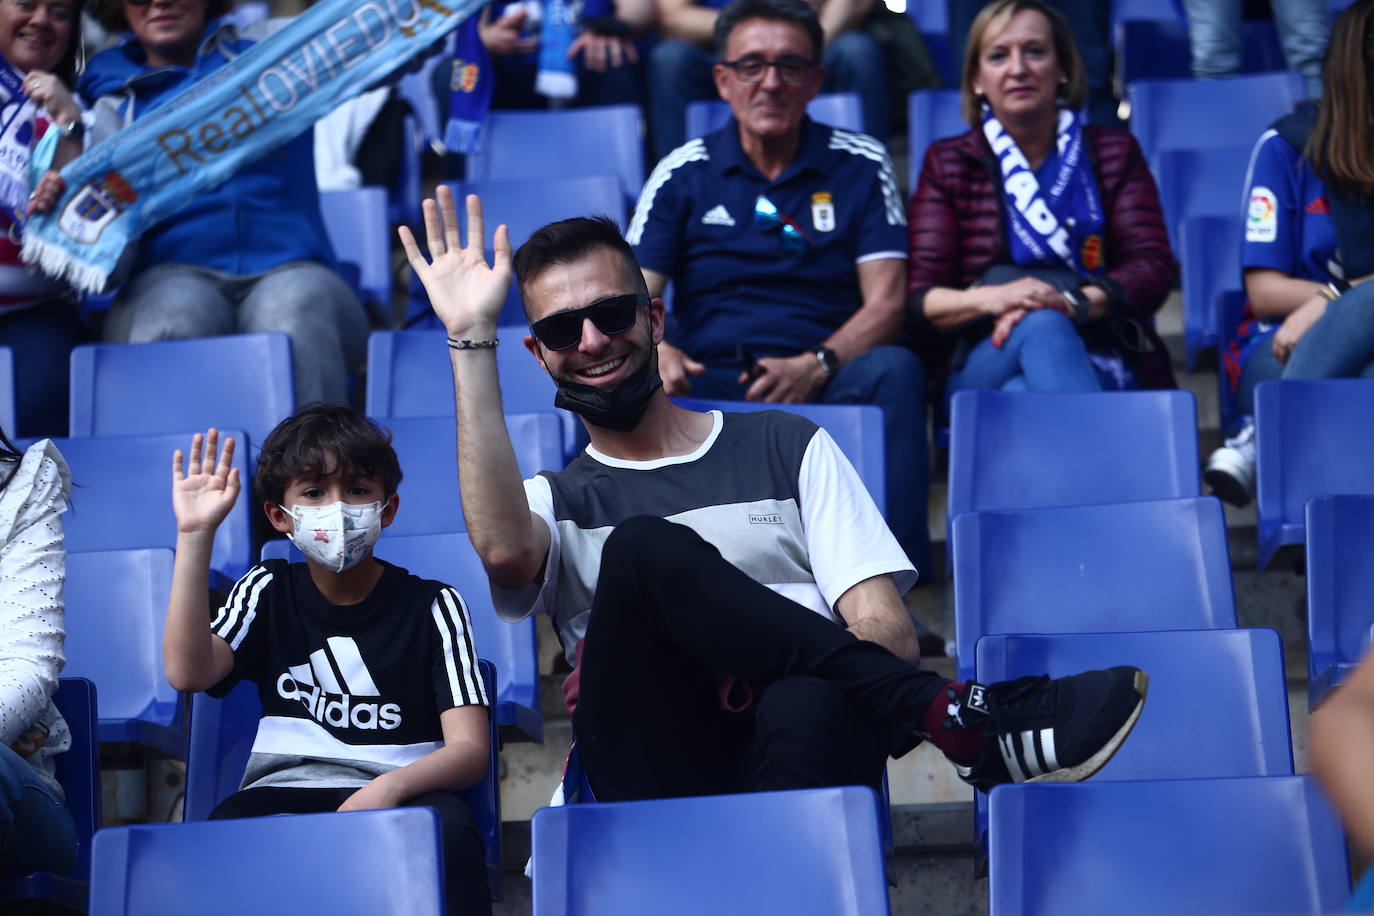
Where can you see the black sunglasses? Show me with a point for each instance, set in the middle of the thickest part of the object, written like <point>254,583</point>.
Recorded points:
<point>612,315</point>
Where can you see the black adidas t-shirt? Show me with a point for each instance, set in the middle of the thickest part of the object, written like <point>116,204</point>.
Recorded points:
<point>347,692</point>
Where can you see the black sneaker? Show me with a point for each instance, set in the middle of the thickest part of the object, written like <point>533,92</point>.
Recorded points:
<point>1038,730</point>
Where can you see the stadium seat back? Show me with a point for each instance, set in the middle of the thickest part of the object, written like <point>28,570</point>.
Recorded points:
<point>809,851</point>
<point>9,411</point>
<point>1268,844</point>
<point>1202,182</point>
<point>1209,249</point>
<point>837,109</point>
<point>1311,438</point>
<point>1340,588</point>
<point>386,861</point>
<point>1081,569</point>
<point>932,114</point>
<point>1030,450</point>
<point>1159,49</point>
<point>360,232</point>
<point>242,382</point>
<point>116,603</point>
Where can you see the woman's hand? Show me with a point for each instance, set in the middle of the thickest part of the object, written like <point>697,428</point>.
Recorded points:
<point>505,35</point>
<point>52,95</point>
<point>602,52</point>
<point>1006,322</point>
<point>203,495</point>
<point>1025,293</point>
<point>45,195</point>
<point>1298,322</point>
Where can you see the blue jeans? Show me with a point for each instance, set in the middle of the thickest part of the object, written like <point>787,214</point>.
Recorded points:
<point>1215,34</point>
<point>1042,353</point>
<point>680,73</point>
<point>303,299</point>
<point>514,84</point>
<point>41,339</point>
<point>1339,345</point>
<point>36,830</point>
<point>891,378</point>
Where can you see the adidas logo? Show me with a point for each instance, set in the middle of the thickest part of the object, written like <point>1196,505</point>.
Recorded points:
<point>328,685</point>
<point>718,216</point>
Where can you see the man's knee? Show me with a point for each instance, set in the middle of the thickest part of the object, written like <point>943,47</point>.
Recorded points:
<point>674,60</point>
<point>801,706</point>
<point>889,376</point>
<point>852,51</point>
<point>640,537</point>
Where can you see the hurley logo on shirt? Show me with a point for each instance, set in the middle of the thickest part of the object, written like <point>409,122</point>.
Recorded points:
<point>329,686</point>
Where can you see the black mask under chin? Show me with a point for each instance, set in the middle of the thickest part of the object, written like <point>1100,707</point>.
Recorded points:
<point>620,408</point>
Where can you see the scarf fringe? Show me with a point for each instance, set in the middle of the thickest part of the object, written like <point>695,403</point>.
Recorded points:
<point>463,136</point>
<point>62,265</point>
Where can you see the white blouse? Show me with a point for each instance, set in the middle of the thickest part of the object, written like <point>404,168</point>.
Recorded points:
<point>32,570</point>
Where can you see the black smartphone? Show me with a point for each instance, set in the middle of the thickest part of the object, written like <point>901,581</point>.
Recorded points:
<point>747,363</point>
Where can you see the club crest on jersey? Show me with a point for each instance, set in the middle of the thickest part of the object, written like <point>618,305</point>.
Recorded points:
<point>823,211</point>
<point>1091,252</point>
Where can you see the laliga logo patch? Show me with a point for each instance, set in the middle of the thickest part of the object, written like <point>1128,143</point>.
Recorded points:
<point>1091,252</point>
<point>94,207</point>
<point>465,76</point>
<point>823,211</point>
<point>1262,220</point>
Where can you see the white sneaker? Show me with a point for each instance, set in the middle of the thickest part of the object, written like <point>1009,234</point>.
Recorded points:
<point>1230,471</point>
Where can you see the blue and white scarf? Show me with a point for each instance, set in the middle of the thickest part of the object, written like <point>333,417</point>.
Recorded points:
<point>1061,224</point>
<point>557,75</point>
<point>18,125</point>
<point>470,85</point>
<point>155,166</point>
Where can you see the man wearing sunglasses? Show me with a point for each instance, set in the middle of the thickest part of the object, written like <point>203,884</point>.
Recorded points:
<point>723,583</point>
<point>786,244</point>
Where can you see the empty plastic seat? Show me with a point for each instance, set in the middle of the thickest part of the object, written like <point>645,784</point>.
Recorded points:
<point>222,733</point>
<point>932,114</point>
<point>9,413</point>
<point>512,647</point>
<point>78,772</point>
<point>519,145</point>
<point>1203,847</point>
<point>856,428</point>
<point>116,607</point>
<point>1159,49</point>
<point>121,500</point>
<point>1209,256</point>
<point>1124,10</point>
<point>1082,569</point>
<point>810,851</point>
<point>1312,439</point>
<point>386,861</point>
<point>1202,182</point>
<point>1340,609</point>
<point>837,109</point>
<point>1032,450</point>
<point>173,386</point>
<point>1207,114</point>
<point>358,228</point>
<point>929,17</point>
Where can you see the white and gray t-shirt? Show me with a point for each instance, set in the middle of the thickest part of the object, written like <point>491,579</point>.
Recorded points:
<point>769,489</point>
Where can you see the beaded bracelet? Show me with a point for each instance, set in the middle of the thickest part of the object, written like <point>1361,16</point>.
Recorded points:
<point>472,344</point>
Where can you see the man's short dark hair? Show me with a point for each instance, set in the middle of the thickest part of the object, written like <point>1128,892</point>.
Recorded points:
<point>571,240</point>
<point>798,11</point>
<point>300,448</point>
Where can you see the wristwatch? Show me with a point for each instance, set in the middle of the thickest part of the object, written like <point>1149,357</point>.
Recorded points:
<point>828,360</point>
<point>1079,300</point>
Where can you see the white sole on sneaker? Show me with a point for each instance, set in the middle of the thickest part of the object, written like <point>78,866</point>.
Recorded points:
<point>1097,761</point>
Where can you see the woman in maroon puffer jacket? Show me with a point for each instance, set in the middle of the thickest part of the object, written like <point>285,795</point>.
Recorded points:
<point>1037,248</point>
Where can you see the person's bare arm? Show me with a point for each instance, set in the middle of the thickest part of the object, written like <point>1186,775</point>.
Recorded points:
<point>947,308</point>
<point>1274,295</point>
<point>460,763</point>
<point>874,611</point>
<point>467,295</point>
<point>840,16</point>
<point>687,21</point>
<point>1340,750</point>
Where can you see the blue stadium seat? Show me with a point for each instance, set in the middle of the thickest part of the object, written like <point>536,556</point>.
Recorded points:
<point>1081,569</point>
<point>1240,730</point>
<point>856,428</point>
<point>512,647</point>
<point>222,733</point>
<point>1200,847</point>
<point>520,145</point>
<point>932,114</point>
<point>1340,540</point>
<point>387,861</point>
<point>809,851</point>
<point>429,487</point>
<point>116,607</point>
<point>1124,10</point>
<point>1209,256</point>
<point>1201,182</point>
<point>1159,49</point>
<point>78,772</point>
<point>1025,450</point>
<point>1312,439</point>
<point>357,225</point>
<point>1207,114</point>
<point>120,499</point>
<point>406,191</point>
<point>929,15</point>
<point>172,386</point>
<point>408,375</point>
<point>525,206</point>
<point>838,109</point>
<point>9,413</point>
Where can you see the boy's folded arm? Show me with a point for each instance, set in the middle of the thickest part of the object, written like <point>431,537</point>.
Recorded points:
<point>461,762</point>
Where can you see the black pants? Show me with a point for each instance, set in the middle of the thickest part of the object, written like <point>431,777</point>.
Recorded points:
<point>465,877</point>
<point>669,615</point>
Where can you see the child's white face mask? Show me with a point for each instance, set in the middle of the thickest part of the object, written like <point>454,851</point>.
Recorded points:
<point>336,536</point>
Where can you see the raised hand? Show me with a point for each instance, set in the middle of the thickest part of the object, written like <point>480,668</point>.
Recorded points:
<point>204,493</point>
<point>465,292</point>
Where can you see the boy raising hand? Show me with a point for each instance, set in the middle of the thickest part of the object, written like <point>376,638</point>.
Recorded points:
<point>371,694</point>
